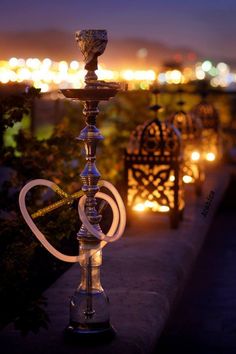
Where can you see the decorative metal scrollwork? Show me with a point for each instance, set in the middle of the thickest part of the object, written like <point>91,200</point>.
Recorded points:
<point>211,136</point>
<point>152,166</point>
<point>155,137</point>
<point>190,127</point>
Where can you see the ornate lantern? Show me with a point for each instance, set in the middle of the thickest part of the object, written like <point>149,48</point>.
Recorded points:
<point>190,128</point>
<point>153,170</point>
<point>210,119</point>
<point>89,311</point>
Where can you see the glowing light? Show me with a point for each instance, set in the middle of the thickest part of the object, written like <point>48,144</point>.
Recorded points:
<point>210,156</point>
<point>149,204</point>
<point>213,71</point>
<point>70,75</point>
<point>74,65</point>
<point>24,74</point>
<point>188,74</point>
<point>36,75</point>
<point>187,179</point>
<point>144,86</point>
<point>176,76</point>
<point>162,78</point>
<point>105,74</point>
<point>13,76</point>
<point>150,75</point>
<point>5,77</point>
<point>229,78</point>
<point>172,178</point>
<point>44,87</point>
<point>128,75</point>
<point>215,82</point>
<point>140,75</point>
<point>35,63</point>
<point>13,62</point>
<point>195,156</point>
<point>47,62</point>
<point>173,76</point>
<point>164,208</point>
<point>206,65</point>
<point>139,207</point>
<point>21,62</point>
<point>222,67</point>
<point>29,62</point>
<point>200,74</point>
<point>63,66</point>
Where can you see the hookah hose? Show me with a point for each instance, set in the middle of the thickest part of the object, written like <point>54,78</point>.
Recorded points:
<point>115,232</point>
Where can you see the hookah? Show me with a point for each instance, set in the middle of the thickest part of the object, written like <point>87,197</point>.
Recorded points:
<point>89,306</point>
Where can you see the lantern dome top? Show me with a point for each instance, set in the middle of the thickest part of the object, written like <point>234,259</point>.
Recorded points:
<point>155,138</point>
<point>188,124</point>
<point>208,115</point>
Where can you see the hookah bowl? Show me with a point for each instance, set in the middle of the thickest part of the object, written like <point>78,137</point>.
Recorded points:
<point>89,306</point>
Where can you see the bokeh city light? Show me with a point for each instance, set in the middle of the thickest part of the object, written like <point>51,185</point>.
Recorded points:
<point>49,75</point>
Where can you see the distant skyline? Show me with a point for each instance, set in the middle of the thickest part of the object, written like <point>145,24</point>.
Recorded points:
<point>207,26</point>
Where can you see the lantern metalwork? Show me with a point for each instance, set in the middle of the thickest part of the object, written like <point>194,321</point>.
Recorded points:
<point>89,305</point>
<point>190,128</point>
<point>209,116</point>
<point>153,169</point>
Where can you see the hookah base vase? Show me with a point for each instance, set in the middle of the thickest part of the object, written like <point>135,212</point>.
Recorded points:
<point>75,333</point>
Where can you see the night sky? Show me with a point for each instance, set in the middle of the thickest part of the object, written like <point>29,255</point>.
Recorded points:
<point>208,26</point>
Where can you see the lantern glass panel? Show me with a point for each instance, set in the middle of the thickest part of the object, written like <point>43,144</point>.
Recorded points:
<point>190,128</point>
<point>153,159</point>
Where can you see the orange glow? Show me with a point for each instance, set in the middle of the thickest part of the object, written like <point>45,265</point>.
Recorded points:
<point>187,179</point>
<point>195,156</point>
<point>139,207</point>
<point>210,156</point>
<point>149,205</point>
<point>164,208</point>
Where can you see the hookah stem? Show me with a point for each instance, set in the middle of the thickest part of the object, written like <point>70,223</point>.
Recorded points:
<point>89,300</point>
<point>90,177</point>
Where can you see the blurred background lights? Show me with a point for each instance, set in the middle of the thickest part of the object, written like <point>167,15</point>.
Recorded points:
<point>176,77</point>
<point>47,62</point>
<point>210,156</point>
<point>51,75</point>
<point>164,208</point>
<point>200,74</point>
<point>206,65</point>
<point>149,204</point>
<point>128,75</point>
<point>222,67</point>
<point>213,71</point>
<point>187,179</point>
<point>13,62</point>
<point>139,207</point>
<point>21,62</point>
<point>195,156</point>
<point>74,65</point>
<point>161,78</point>
<point>63,66</point>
